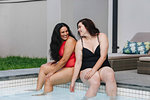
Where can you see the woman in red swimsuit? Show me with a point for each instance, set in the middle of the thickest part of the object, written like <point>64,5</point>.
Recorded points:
<point>60,70</point>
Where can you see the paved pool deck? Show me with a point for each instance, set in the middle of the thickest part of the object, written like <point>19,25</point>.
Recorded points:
<point>127,79</point>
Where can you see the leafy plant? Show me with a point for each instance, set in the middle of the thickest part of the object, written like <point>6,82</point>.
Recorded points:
<point>17,62</point>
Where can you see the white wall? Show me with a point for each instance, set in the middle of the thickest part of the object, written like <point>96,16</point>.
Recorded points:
<point>133,17</point>
<point>23,29</point>
<point>53,17</point>
<point>97,10</point>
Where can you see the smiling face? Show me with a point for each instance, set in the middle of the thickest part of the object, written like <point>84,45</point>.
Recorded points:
<point>64,33</point>
<point>81,29</point>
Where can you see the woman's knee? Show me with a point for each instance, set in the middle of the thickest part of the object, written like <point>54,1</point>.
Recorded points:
<point>95,83</point>
<point>107,73</point>
<point>96,80</point>
<point>43,67</point>
<point>110,76</point>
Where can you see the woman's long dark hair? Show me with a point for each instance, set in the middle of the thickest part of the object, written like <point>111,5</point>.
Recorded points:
<point>90,26</point>
<point>56,41</point>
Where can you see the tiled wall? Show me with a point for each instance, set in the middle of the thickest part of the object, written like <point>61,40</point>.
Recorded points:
<point>80,86</point>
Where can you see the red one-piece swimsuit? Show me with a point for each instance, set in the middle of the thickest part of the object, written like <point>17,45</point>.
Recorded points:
<point>72,59</point>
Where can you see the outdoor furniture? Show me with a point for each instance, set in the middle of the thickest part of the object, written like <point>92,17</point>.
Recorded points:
<point>143,65</point>
<point>119,61</point>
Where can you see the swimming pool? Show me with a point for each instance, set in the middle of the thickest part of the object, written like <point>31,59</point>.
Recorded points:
<point>16,89</point>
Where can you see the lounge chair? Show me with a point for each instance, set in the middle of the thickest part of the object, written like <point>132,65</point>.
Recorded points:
<point>119,61</point>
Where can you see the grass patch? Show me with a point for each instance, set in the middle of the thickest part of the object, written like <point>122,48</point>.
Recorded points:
<point>17,62</point>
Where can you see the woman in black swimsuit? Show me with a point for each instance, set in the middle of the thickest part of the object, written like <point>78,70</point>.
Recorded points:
<point>92,60</point>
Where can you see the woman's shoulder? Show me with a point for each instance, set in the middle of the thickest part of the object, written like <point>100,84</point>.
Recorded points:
<point>102,35</point>
<point>79,42</point>
<point>71,39</point>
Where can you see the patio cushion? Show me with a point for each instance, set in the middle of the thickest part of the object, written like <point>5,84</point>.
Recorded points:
<point>144,59</point>
<point>136,47</point>
<point>113,56</point>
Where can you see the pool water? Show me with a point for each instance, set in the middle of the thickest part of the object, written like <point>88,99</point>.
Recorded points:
<point>59,93</point>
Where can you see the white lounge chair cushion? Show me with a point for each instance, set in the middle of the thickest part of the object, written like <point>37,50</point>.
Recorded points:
<point>144,58</point>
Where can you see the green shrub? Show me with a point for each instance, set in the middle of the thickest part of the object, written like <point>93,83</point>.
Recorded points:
<point>17,62</point>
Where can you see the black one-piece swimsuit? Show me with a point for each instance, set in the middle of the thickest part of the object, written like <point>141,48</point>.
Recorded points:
<point>89,58</point>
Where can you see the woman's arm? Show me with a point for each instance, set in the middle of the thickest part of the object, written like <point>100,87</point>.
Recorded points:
<point>78,53</point>
<point>103,50</point>
<point>68,50</point>
<point>103,54</point>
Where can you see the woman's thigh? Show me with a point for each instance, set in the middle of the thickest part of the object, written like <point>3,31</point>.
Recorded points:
<point>106,73</point>
<point>62,76</point>
<point>94,78</point>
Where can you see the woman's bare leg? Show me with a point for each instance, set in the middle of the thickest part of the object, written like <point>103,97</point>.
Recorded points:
<point>107,75</point>
<point>60,77</point>
<point>93,83</point>
<point>44,70</point>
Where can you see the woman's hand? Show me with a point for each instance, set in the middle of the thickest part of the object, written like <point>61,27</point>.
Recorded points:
<point>72,85</point>
<point>90,74</point>
<point>49,75</point>
<point>52,71</point>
